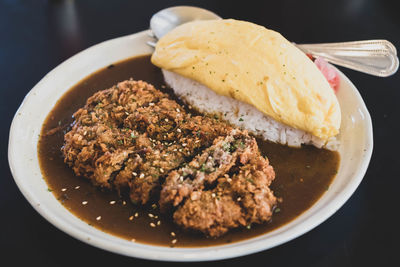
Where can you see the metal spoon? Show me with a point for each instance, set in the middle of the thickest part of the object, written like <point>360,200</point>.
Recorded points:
<point>375,57</point>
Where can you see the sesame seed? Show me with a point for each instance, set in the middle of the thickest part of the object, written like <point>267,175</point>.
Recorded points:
<point>197,141</point>
<point>126,113</point>
<point>131,218</point>
<point>85,132</point>
<point>151,104</point>
<point>179,130</point>
<point>152,225</point>
<point>180,149</point>
<point>112,202</point>
<point>174,241</point>
<point>161,170</point>
<point>84,202</point>
<point>213,194</point>
<point>229,180</point>
<point>173,234</point>
<point>137,214</point>
<point>175,149</point>
<point>124,202</point>
<point>98,218</point>
<point>184,144</point>
<point>151,215</point>
<point>181,178</point>
<point>64,189</point>
<point>134,173</point>
<point>77,187</point>
<point>141,176</point>
<point>166,120</point>
<point>239,198</point>
<point>158,222</point>
<point>178,110</point>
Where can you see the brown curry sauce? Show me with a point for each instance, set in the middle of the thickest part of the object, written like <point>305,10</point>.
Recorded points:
<point>302,174</point>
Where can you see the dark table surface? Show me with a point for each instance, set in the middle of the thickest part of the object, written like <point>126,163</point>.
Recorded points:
<point>36,36</point>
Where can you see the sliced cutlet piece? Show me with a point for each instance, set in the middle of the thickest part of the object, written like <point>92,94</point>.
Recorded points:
<point>118,102</point>
<point>251,189</point>
<point>97,151</point>
<point>98,144</point>
<point>240,200</point>
<point>128,172</point>
<point>175,148</point>
<point>205,168</point>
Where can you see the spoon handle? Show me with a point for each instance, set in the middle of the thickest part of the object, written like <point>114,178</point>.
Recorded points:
<point>376,57</point>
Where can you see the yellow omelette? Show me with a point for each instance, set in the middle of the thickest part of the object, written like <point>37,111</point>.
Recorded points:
<point>255,65</point>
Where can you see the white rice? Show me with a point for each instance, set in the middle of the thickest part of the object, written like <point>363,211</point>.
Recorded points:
<point>241,114</point>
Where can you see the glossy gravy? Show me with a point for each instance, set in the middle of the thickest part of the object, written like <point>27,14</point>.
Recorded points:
<point>302,175</point>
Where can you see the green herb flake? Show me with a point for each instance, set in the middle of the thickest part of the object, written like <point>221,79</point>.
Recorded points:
<point>226,147</point>
<point>133,136</point>
<point>250,180</point>
<point>203,168</point>
<point>241,119</point>
<point>277,210</point>
<point>49,189</point>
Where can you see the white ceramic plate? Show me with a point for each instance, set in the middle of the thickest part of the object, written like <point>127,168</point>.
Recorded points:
<point>356,148</point>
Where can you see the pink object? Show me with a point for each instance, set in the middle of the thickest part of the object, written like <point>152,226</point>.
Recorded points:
<point>329,72</point>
